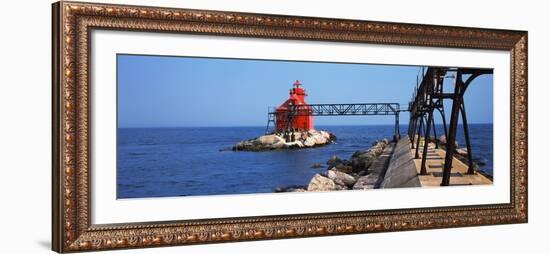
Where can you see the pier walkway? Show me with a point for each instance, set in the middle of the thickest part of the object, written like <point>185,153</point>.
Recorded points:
<point>435,161</point>
<point>403,170</point>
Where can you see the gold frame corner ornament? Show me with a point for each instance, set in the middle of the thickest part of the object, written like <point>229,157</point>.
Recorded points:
<point>71,226</point>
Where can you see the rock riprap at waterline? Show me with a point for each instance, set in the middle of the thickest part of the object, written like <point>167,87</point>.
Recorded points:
<point>303,139</point>
<point>322,183</point>
<point>353,174</point>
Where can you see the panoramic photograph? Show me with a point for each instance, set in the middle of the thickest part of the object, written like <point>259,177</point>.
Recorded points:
<point>195,126</point>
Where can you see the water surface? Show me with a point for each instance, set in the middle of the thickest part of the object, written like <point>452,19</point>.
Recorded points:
<point>163,162</point>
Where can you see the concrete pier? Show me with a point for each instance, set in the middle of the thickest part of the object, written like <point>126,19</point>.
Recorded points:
<point>401,171</point>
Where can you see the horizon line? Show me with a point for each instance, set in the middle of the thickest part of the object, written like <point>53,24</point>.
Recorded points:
<point>263,126</point>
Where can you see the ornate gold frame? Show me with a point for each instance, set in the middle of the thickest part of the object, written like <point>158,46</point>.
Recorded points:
<point>71,227</point>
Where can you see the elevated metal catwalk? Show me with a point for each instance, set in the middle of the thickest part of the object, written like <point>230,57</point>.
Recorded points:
<point>428,97</point>
<point>346,109</point>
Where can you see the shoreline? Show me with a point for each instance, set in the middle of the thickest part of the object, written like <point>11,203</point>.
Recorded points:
<point>363,170</point>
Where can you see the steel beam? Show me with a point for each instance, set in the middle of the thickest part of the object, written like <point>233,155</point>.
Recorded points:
<point>416,155</point>
<point>467,138</point>
<point>426,143</point>
<point>451,137</point>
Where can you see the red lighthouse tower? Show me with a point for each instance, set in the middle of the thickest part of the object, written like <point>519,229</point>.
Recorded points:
<point>294,113</point>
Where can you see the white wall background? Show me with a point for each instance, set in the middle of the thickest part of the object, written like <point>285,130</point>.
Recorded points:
<point>25,151</point>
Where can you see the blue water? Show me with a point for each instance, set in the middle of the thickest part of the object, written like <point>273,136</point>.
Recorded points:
<point>163,162</point>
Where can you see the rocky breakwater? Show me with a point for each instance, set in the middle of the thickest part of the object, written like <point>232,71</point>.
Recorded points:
<point>304,139</point>
<point>342,174</point>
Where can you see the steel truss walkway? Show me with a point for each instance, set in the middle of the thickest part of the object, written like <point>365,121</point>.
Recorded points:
<point>346,109</point>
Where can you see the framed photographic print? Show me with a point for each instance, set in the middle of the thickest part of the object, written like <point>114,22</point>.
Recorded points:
<point>179,126</point>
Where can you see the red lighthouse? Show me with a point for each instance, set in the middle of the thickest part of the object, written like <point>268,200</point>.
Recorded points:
<point>294,113</point>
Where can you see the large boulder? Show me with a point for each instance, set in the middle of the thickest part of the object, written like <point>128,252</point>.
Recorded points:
<point>313,138</point>
<point>334,160</point>
<point>299,136</point>
<point>362,161</point>
<point>309,142</point>
<point>365,182</point>
<point>359,153</point>
<point>270,139</point>
<point>295,144</point>
<point>321,183</point>
<point>462,151</point>
<point>277,145</point>
<point>338,176</point>
<point>249,145</point>
<point>292,188</point>
<point>343,167</point>
<point>376,150</point>
<point>443,141</point>
<point>320,139</point>
<point>266,142</point>
<point>317,165</point>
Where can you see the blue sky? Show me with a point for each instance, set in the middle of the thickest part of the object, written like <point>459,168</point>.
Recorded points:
<point>162,91</point>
